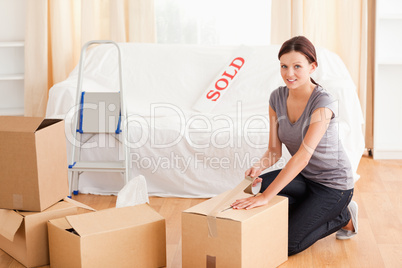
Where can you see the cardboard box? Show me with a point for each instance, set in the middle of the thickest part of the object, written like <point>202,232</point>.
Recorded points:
<point>33,163</point>
<point>132,236</point>
<point>24,236</point>
<point>235,238</point>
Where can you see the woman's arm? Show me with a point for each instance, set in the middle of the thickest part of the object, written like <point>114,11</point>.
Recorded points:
<point>274,151</point>
<point>318,126</point>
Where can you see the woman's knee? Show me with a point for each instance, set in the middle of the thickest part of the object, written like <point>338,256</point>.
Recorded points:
<point>293,248</point>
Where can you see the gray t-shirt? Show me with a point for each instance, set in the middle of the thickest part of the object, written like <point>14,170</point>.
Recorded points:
<point>329,164</point>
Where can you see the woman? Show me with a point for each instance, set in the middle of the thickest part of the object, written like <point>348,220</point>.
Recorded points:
<point>318,179</point>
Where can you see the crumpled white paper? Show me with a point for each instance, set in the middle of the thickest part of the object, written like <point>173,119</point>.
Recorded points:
<point>135,192</point>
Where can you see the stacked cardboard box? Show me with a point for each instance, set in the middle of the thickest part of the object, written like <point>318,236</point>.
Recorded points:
<point>34,185</point>
<point>24,235</point>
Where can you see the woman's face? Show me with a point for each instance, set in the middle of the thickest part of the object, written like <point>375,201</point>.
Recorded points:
<point>296,70</point>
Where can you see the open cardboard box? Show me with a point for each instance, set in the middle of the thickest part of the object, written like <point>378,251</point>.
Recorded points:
<point>33,163</point>
<point>130,237</point>
<point>241,238</point>
<point>24,235</point>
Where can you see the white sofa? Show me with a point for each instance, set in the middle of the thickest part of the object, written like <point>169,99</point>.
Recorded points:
<point>183,152</point>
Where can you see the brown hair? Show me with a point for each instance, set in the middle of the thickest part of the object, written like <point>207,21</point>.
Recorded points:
<point>302,45</point>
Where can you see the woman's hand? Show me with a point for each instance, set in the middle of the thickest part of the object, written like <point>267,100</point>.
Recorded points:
<point>253,172</point>
<point>250,202</point>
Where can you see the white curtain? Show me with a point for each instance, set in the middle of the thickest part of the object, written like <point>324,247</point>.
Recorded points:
<point>57,29</point>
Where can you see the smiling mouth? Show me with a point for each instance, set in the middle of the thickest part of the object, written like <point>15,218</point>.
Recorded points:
<point>291,80</point>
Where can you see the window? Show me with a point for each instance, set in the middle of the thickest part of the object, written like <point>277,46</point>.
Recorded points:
<point>213,22</point>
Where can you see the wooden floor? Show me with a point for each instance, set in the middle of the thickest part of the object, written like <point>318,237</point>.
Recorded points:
<point>378,244</point>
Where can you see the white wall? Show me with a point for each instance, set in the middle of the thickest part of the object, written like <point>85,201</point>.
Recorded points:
<point>388,81</point>
<point>12,35</point>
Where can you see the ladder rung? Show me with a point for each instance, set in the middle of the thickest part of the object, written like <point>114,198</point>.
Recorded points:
<point>99,166</point>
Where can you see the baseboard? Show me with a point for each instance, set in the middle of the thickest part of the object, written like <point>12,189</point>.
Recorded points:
<point>387,154</point>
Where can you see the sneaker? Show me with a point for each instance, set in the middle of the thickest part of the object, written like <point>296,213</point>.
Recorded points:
<point>346,234</point>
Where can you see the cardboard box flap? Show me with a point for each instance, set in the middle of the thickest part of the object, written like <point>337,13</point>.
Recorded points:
<point>58,206</point>
<point>61,223</point>
<point>78,204</point>
<point>48,122</point>
<point>10,223</point>
<point>19,124</point>
<point>206,207</point>
<point>66,203</point>
<point>242,214</point>
<point>113,219</point>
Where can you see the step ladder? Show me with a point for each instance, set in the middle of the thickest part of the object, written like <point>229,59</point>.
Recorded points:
<point>98,112</point>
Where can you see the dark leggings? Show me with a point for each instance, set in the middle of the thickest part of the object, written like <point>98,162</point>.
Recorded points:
<point>315,210</point>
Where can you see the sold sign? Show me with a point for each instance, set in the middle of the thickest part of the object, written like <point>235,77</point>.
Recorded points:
<point>226,79</point>
<point>220,85</point>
